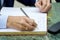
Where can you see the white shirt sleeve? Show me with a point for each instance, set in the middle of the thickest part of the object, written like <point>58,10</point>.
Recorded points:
<point>3,21</point>
<point>36,0</point>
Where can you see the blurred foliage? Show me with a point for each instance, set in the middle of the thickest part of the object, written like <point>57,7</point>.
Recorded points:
<point>54,14</point>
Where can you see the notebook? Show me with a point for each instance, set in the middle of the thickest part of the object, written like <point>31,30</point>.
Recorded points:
<point>33,13</point>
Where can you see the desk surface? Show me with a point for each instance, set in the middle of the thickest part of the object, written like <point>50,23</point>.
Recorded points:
<point>55,9</point>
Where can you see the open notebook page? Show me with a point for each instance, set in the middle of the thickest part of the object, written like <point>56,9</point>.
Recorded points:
<point>32,12</point>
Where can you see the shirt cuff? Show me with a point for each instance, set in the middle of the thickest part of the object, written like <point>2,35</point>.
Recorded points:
<point>36,0</point>
<point>3,21</point>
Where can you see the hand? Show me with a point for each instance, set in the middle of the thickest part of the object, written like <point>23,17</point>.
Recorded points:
<point>43,5</point>
<point>21,23</point>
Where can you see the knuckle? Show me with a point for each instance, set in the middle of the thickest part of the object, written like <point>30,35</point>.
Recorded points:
<point>21,22</point>
<point>45,4</point>
<point>49,5</point>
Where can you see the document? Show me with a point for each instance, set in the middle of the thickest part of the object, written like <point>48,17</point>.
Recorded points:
<point>32,12</point>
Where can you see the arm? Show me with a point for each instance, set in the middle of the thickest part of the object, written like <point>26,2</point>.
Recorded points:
<point>17,22</point>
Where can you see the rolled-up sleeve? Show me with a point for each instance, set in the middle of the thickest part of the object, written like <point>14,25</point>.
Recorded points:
<point>3,21</point>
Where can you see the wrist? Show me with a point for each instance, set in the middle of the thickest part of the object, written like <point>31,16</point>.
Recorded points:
<point>8,22</point>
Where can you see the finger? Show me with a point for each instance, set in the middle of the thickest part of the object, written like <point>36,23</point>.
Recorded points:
<point>47,8</point>
<point>26,24</point>
<point>28,20</point>
<point>22,25</point>
<point>48,1</point>
<point>31,22</point>
<point>44,3</point>
<point>34,24</point>
<point>18,26</point>
<point>30,29</point>
<point>38,4</point>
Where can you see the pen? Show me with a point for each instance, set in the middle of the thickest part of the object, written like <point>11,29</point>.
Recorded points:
<point>24,12</point>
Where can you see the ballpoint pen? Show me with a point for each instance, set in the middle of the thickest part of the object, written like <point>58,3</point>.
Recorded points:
<point>24,12</point>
